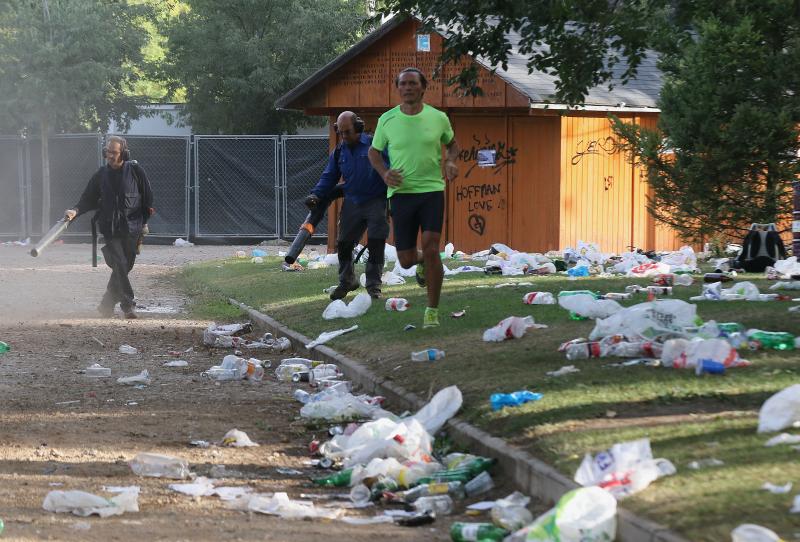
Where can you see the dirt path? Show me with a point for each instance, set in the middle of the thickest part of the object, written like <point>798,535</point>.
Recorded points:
<point>60,430</point>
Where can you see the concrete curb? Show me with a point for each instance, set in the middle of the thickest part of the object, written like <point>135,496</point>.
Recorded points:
<point>530,475</point>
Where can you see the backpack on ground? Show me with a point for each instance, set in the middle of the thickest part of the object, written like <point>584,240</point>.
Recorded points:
<point>761,248</point>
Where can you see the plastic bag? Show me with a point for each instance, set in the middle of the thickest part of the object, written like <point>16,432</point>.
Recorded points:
<point>626,468</point>
<point>442,406</point>
<point>237,439</point>
<point>201,487</point>
<point>683,354</point>
<point>683,259</point>
<point>339,309</point>
<point>141,378</point>
<point>85,504</point>
<point>581,514</point>
<point>648,269</point>
<point>780,411</point>
<point>511,513</point>
<point>512,327</point>
<point>589,307</point>
<point>748,532</point>
<point>160,466</point>
<point>648,320</point>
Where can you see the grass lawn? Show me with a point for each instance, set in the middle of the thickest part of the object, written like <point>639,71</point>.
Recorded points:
<point>686,417</point>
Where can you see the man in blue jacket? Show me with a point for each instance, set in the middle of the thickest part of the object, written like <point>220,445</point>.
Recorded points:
<point>364,206</point>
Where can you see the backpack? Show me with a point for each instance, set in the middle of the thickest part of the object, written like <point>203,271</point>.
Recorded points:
<point>762,247</point>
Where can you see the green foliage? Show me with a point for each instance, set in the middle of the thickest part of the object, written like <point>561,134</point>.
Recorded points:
<point>236,58</point>
<point>69,63</point>
<point>730,114</point>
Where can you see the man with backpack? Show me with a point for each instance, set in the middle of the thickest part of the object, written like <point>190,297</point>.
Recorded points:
<point>122,196</point>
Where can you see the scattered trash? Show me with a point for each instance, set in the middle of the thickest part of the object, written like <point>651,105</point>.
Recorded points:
<point>141,378</point>
<point>512,327</point>
<point>95,370</point>
<point>236,368</point>
<point>626,468</point>
<point>538,298</point>
<point>128,349</point>
<point>588,513</point>
<point>479,485</point>
<point>409,327</point>
<point>783,438</point>
<point>778,490</point>
<point>81,503</point>
<point>176,363</point>
<point>705,463</point>
<point>780,411</point>
<point>431,354</point>
<point>663,317</point>
<point>339,309</point>
<point>397,304</point>
<point>485,532</point>
<point>458,314</point>
<point>201,487</point>
<point>237,439</point>
<point>565,370</point>
<point>159,466</point>
<point>326,336</point>
<point>182,243</point>
<point>499,401</point>
<point>288,472</point>
<point>748,532</point>
<point>511,513</point>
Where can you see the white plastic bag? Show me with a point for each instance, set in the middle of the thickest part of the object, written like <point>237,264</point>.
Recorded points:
<point>339,309</point>
<point>748,532</point>
<point>442,406</point>
<point>581,514</point>
<point>626,468</point>
<point>586,305</point>
<point>85,504</point>
<point>780,411</point>
<point>648,320</point>
<point>201,487</point>
<point>683,354</point>
<point>512,327</point>
<point>237,439</point>
<point>141,378</point>
<point>326,336</point>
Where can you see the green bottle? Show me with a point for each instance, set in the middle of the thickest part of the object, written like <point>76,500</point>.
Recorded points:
<point>483,532</point>
<point>730,327</point>
<point>339,479</point>
<point>464,473</point>
<point>4,347</point>
<point>776,340</point>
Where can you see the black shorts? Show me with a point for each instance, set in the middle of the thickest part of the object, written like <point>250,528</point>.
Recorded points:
<point>412,212</point>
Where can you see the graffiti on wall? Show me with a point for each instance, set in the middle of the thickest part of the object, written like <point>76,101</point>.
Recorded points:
<point>481,199</point>
<point>485,153</point>
<point>604,145</point>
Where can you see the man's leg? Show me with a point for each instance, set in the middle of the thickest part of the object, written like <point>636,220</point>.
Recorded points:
<point>377,231</point>
<point>434,274</point>
<point>120,255</point>
<point>126,300</point>
<point>350,230</point>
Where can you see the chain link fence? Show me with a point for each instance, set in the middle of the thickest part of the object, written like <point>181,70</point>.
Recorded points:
<point>303,160</point>
<point>205,186</point>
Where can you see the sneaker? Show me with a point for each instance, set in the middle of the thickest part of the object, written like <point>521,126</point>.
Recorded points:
<point>431,318</point>
<point>420,274</point>
<point>342,290</point>
<point>374,292</point>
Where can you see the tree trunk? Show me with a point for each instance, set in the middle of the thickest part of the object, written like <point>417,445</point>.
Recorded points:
<point>45,175</point>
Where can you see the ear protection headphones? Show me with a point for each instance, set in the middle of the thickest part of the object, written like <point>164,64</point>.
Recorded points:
<point>358,125</point>
<point>125,153</point>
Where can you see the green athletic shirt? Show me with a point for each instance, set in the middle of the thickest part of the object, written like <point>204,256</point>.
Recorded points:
<point>415,147</point>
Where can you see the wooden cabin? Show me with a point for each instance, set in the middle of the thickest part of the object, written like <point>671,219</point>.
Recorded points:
<point>534,174</point>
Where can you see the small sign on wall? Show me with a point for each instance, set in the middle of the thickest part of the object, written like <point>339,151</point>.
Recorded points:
<point>424,43</point>
<point>487,158</point>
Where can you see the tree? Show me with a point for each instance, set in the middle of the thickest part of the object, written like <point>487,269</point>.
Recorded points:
<point>235,58</point>
<point>67,65</point>
<point>726,150</point>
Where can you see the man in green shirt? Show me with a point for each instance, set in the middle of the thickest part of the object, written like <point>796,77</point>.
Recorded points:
<point>414,133</point>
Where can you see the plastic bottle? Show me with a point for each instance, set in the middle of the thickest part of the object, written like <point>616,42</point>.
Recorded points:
<point>4,347</point>
<point>431,354</point>
<point>454,489</point>
<point>565,293</point>
<point>659,290</point>
<point>730,327</point>
<point>160,466</point>
<point>360,495</point>
<point>584,351</point>
<point>284,372</point>
<point>474,532</point>
<point>397,304</point>
<point>775,340</point>
<point>664,279</point>
<point>500,400</point>
<point>479,485</point>
<point>538,298</point>
<point>616,296</point>
<point>96,370</point>
<point>339,479</point>
<point>709,366</point>
<point>302,395</point>
<point>321,372</point>
<point>440,505</point>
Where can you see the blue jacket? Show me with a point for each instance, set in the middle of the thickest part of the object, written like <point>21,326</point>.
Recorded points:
<point>361,182</point>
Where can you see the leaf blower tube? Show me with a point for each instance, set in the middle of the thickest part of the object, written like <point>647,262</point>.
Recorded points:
<point>54,233</point>
<point>314,217</point>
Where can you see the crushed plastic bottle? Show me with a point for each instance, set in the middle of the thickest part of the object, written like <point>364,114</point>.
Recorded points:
<point>96,370</point>
<point>439,505</point>
<point>538,298</point>
<point>160,466</point>
<point>454,489</point>
<point>4,347</point>
<point>431,354</point>
<point>127,349</point>
<point>517,398</point>
<point>397,304</point>
<point>479,485</point>
<point>511,513</point>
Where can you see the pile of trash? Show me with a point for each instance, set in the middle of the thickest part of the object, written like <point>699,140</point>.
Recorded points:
<point>230,336</point>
